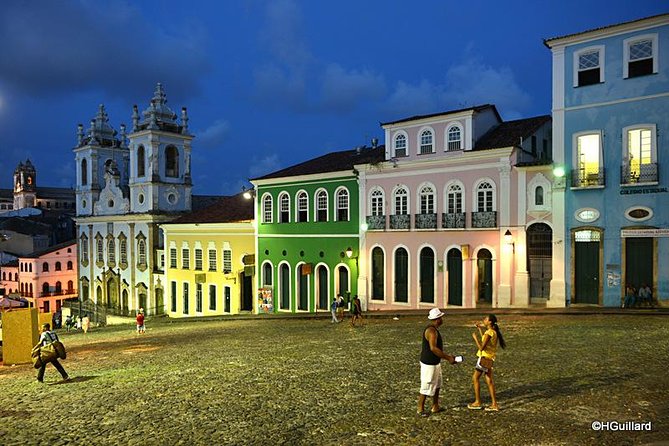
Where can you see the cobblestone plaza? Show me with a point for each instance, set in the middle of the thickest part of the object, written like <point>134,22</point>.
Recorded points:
<point>307,381</point>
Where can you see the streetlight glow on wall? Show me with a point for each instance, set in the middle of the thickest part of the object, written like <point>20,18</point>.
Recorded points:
<point>508,239</point>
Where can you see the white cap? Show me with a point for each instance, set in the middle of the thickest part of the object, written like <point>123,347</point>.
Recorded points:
<point>435,313</point>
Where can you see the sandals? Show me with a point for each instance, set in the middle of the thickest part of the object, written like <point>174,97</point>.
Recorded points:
<point>473,406</point>
<point>492,409</point>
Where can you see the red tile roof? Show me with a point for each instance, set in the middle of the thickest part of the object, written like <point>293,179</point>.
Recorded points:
<point>509,133</point>
<point>227,209</point>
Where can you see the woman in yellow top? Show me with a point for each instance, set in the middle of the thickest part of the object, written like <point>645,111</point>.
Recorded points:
<point>487,349</point>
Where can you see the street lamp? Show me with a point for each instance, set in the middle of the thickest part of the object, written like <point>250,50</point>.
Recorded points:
<point>508,239</point>
<point>248,193</point>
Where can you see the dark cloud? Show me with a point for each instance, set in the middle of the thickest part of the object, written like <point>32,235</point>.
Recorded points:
<point>60,47</point>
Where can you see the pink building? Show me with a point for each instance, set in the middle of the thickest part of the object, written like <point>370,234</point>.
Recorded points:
<point>48,277</point>
<point>459,213</point>
<point>9,278</point>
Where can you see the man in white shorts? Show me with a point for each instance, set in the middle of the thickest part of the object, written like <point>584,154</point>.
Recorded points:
<point>430,363</point>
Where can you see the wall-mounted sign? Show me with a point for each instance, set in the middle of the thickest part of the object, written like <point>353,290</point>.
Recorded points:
<point>645,190</point>
<point>649,232</point>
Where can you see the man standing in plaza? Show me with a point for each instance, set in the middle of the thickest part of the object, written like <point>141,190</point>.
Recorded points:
<point>430,363</point>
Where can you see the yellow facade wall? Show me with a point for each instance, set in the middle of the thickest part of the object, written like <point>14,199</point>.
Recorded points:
<point>20,333</point>
<point>236,238</point>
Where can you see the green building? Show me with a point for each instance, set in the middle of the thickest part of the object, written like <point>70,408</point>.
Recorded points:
<point>308,226</point>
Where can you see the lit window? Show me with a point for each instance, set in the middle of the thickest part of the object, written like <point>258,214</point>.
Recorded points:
<point>639,165</point>
<point>587,160</point>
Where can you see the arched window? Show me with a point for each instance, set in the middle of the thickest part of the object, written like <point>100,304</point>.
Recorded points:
<point>141,162</point>
<point>59,287</point>
<point>427,200</point>
<point>57,267</point>
<point>284,208</point>
<point>426,266</point>
<point>400,145</point>
<point>171,162</point>
<point>84,248</point>
<point>454,199</point>
<point>267,209</point>
<point>401,275</point>
<point>100,250</point>
<point>267,274</point>
<point>426,142</point>
<point>539,196</point>
<point>484,197</point>
<point>45,288</point>
<point>454,139</point>
<point>111,251</point>
<point>284,287</point>
<point>378,274</point>
<point>45,267</point>
<point>302,207</point>
<point>141,250</point>
<point>322,205</point>
<point>69,265</point>
<point>401,201</point>
<point>70,286</point>
<point>84,172</point>
<point>342,205</point>
<point>123,250</point>
<point>377,202</point>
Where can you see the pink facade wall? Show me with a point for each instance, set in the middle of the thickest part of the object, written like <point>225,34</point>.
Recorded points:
<point>41,287</point>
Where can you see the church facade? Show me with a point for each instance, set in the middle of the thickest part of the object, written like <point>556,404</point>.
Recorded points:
<point>127,185</point>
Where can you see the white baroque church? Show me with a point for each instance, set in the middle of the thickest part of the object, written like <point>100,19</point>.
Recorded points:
<point>127,185</point>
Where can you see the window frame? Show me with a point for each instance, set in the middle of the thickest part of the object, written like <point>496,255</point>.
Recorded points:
<point>427,199</point>
<point>396,136</point>
<point>493,198</point>
<point>627,43</point>
<point>447,199</point>
<point>576,62</point>
<point>317,205</point>
<point>447,137</point>
<point>340,192</point>
<point>377,201</point>
<point>267,208</point>
<point>406,205</point>
<point>301,206</point>
<point>284,198</point>
<point>421,132</point>
<point>576,152</point>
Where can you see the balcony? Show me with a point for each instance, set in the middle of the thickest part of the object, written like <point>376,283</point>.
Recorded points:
<point>484,219</point>
<point>455,220</point>
<point>587,177</point>
<point>376,222</point>
<point>400,221</point>
<point>426,221</point>
<point>639,174</point>
<point>55,293</point>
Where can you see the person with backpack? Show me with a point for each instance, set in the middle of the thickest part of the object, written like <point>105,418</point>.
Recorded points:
<point>48,337</point>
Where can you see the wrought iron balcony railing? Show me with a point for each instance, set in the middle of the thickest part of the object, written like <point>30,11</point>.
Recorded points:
<point>376,222</point>
<point>400,221</point>
<point>640,173</point>
<point>426,221</point>
<point>453,220</point>
<point>484,219</point>
<point>587,177</point>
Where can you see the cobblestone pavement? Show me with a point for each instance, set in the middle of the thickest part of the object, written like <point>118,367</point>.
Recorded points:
<point>292,382</point>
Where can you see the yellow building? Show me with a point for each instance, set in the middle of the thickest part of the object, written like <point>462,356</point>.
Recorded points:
<point>209,260</point>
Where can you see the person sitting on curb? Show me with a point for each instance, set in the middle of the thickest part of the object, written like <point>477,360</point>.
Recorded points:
<point>630,299</point>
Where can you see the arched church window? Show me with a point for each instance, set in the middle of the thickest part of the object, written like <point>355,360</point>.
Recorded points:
<point>141,162</point>
<point>171,161</point>
<point>84,172</point>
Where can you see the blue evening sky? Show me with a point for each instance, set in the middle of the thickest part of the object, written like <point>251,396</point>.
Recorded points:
<point>271,83</point>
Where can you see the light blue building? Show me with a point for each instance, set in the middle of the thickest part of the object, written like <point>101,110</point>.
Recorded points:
<point>611,134</point>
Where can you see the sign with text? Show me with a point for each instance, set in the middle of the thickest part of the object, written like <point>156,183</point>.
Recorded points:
<point>650,232</point>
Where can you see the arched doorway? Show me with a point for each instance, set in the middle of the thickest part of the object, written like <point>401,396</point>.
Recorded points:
<point>112,293</point>
<point>540,259</point>
<point>378,272</point>
<point>99,298</point>
<point>302,288</point>
<point>426,265</point>
<point>124,301</point>
<point>454,265</point>
<point>322,287</point>
<point>284,286</point>
<point>484,268</point>
<point>343,281</point>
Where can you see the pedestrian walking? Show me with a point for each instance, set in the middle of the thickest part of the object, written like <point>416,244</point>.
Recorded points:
<point>340,307</point>
<point>69,323</point>
<point>430,363</point>
<point>333,310</point>
<point>47,337</point>
<point>140,321</point>
<point>356,310</point>
<point>86,323</point>
<point>487,351</point>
